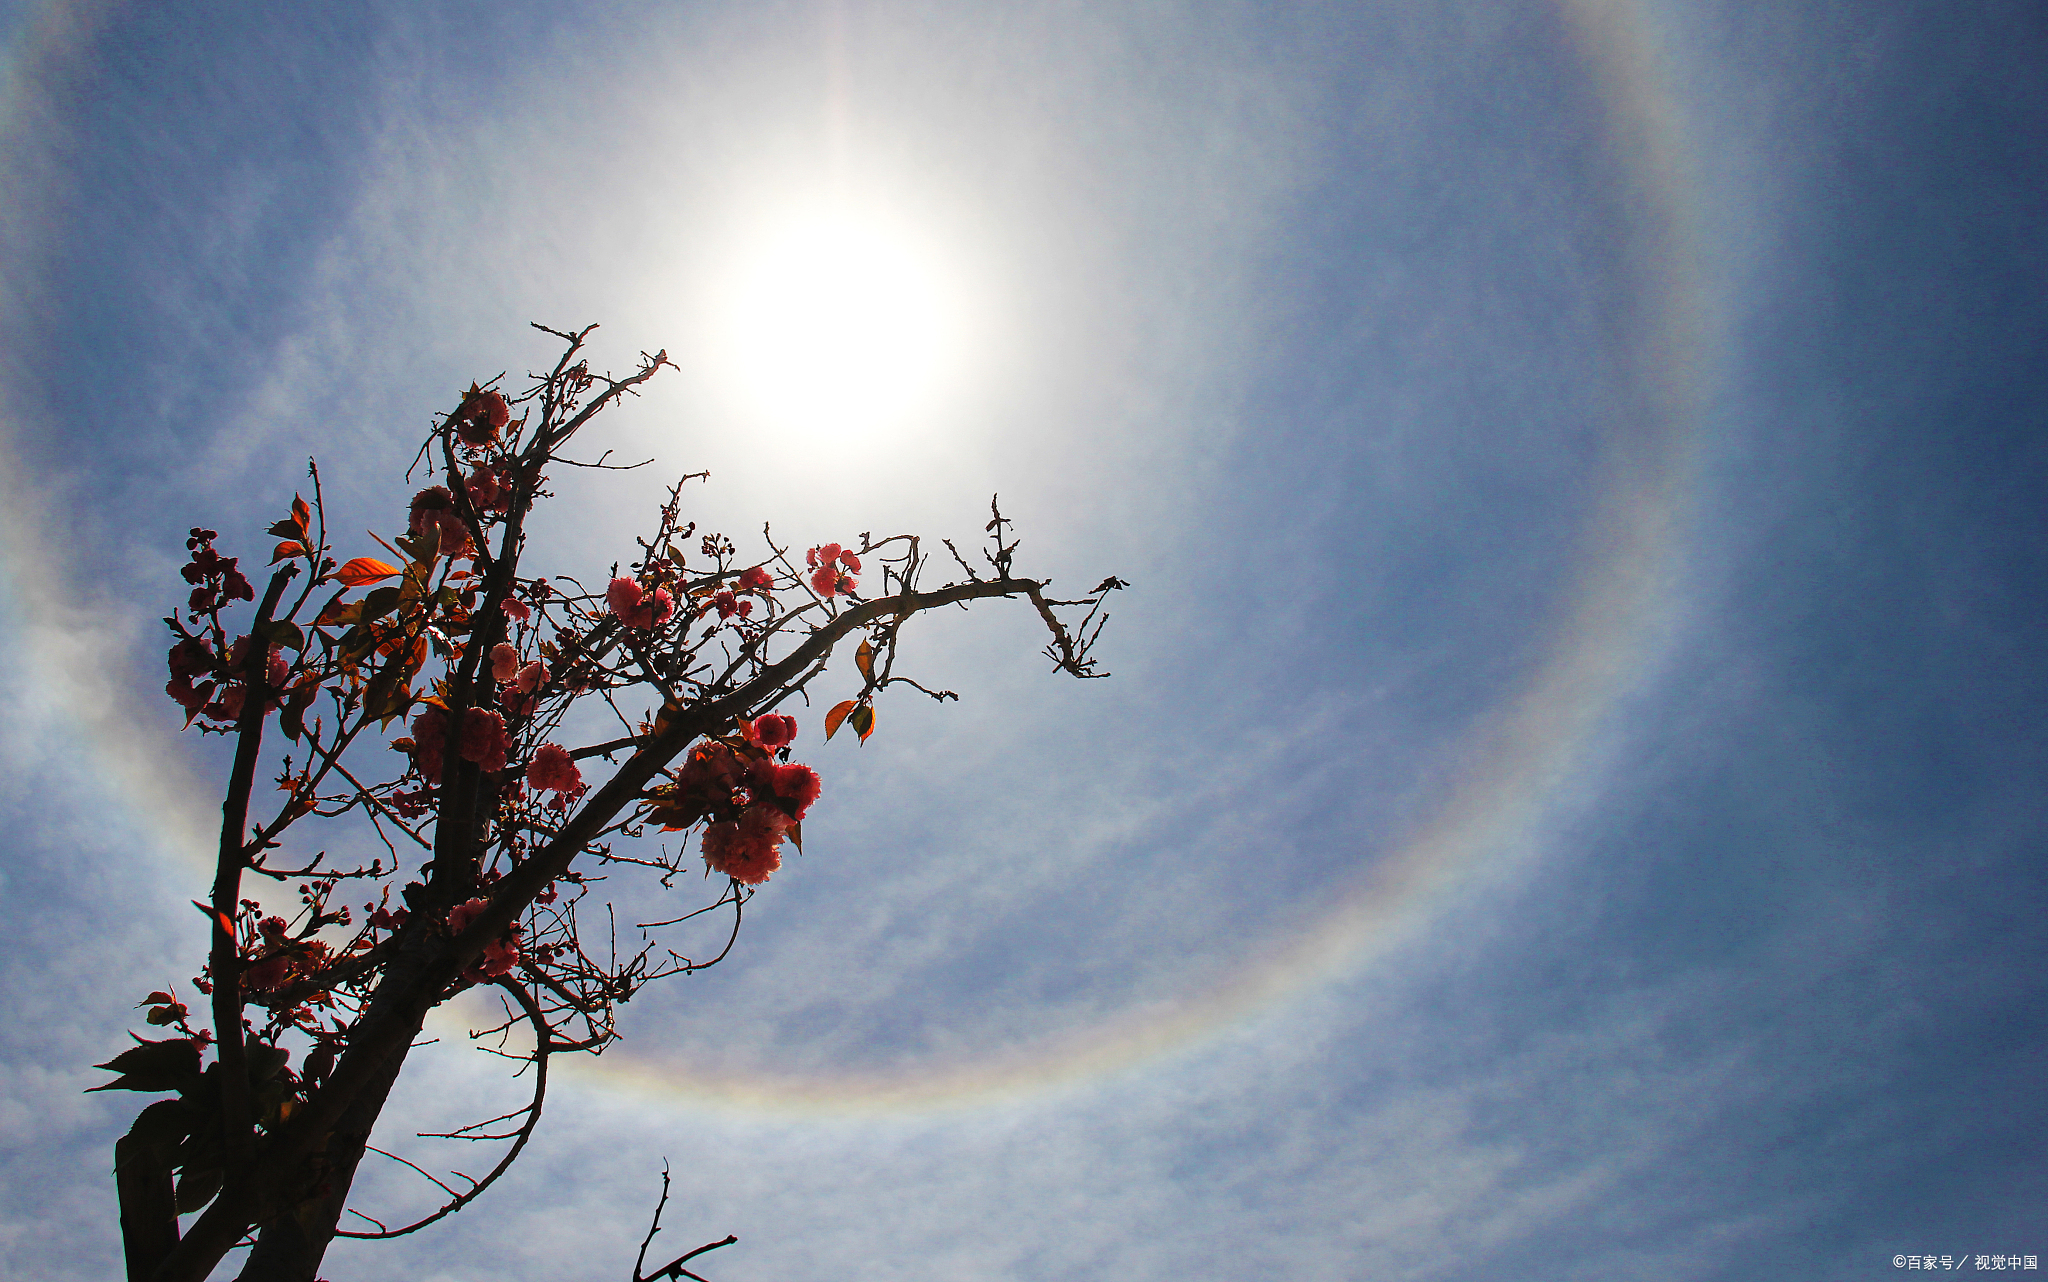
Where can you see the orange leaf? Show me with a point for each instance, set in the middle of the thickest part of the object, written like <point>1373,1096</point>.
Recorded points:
<point>364,570</point>
<point>300,512</point>
<point>837,715</point>
<point>287,548</point>
<point>864,659</point>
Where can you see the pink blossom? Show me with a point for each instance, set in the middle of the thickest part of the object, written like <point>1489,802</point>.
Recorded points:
<point>462,914</point>
<point>191,657</point>
<point>531,677</point>
<point>634,608</point>
<point>430,742</point>
<point>482,416</point>
<point>188,659</point>
<point>754,579</point>
<point>850,561</point>
<point>772,730</point>
<point>504,661</point>
<point>433,509</point>
<point>514,608</point>
<point>484,740</point>
<point>554,770</point>
<point>798,785</point>
<point>729,605</point>
<point>748,850</point>
<point>488,492</point>
<point>271,972</point>
<point>500,956</point>
<point>275,669</point>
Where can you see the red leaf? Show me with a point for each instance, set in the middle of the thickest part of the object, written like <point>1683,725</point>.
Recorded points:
<point>364,570</point>
<point>837,715</point>
<point>221,920</point>
<point>300,512</point>
<point>287,548</point>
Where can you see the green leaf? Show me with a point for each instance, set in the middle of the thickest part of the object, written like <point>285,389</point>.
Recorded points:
<point>862,719</point>
<point>283,632</point>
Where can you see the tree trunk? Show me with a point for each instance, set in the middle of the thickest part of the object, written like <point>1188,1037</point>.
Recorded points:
<point>289,1249</point>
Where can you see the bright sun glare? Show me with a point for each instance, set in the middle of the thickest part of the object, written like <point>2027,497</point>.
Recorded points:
<point>839,321</point>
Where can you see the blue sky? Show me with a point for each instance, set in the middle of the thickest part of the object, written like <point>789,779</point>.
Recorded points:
<point>1571,800</point>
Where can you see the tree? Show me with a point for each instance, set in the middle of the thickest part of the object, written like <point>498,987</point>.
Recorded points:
<point>474,670</point>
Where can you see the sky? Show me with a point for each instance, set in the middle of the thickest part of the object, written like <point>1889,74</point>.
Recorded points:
<point>1572,796</point>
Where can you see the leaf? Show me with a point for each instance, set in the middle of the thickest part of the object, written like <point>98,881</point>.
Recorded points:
<point>155,999</point>
<point>670,710</point>
<point>864,659</point>
<point>196,1188</point>
<point>265,1061</point>
<point>364,570</point>
<point>796,836</point>
<point>300,512</point>
<point>285,529</point>
<point>221,920</point>
<point>156,1130</point>
<point>165,1014</point>
<point>379,603</point>
<point>293,719</point>
<point>862,719</point>
<point>170,1065</point>
<point>337,613</point>
<point>283,632</point>
<point>837,715</point>
<point>290,547</point>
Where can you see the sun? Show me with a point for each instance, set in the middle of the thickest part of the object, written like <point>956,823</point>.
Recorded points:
<point>839,320</point>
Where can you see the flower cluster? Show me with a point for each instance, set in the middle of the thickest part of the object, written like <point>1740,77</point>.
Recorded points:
<point>832,569</point>
<point>746,799</point>
<point>754,581</point>
<point>202,687</point>
<point>489,489</point>
<point>280,960</point>
<point>483,740</point>
<point>433,517</point>
<point>554,770</point>
<point>518,684</point>
<point>636,607</point>
<point>214,577</point>
<point>501,954</point>
<point>482,416</point>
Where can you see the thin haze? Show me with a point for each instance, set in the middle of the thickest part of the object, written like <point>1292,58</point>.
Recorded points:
<point>1570,803</point>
